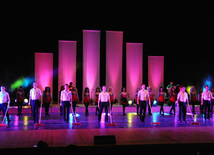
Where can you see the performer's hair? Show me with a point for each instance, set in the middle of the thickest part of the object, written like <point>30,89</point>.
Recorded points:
<point>206,86</point>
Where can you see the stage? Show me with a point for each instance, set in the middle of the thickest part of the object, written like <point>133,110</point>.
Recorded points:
<point>129,131</point>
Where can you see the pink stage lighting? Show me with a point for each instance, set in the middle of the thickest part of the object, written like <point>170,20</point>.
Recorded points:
<point>67,63</point>
<point>44,70</point>
<point>134,67</point>
<point>155,73</point>
<point>91,59</point>
<point>114,51</point>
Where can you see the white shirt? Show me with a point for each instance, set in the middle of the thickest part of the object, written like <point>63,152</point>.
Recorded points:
<point>35,93</point>
<point>104,97</point>
<point>143,95</point>
<point>182,96</point>
<point>4,97</point>
<point>66,95</point>
<point>206,95</point>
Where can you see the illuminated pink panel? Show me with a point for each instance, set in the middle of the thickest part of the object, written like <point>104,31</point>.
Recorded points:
<point>67,62</point>
<point>91,59</point>
<point>134,67</point>
<point>114,50</point>
<point>155,73</point>
<point>44,70</point>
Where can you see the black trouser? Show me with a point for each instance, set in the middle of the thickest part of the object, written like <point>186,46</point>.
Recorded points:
<point>182,109</point>
<point>47,105</point>
<point>173,107</point>
<point>3,106</point>
<point>206,104</point>
<point>211,106</point>
<point>66,105</point>
<point>86,108</point>
<point>97,109</point>
<point>142,107</point>
<point>161,108</point>
<point>19,104</point>
<point>35,106</point>
<point>193,106</point>
<point>124,108</point>
<point>74,104</point>
<point>103,105</point>
<point>149,108</point>
<point>138,108</point>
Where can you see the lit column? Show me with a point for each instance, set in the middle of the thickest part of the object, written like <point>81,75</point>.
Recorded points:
<point>67,63</point>
<point>44,70</point>
<point>91,60</point>
<point>134,67</point>
<point>156,73</point>
<point>114,50</point>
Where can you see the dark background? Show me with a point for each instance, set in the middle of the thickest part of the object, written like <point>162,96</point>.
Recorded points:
<point>182,32</point>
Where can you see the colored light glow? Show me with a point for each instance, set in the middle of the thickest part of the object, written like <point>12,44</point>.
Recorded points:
<point>154,116</point>
<point>130,117</point>
<point>91,59</point>
<point>207,81</point>
<point>130,102</point>
<point>155,102</point>
<point>188,89</point>
<point>25,120</point>
<point>26,100</point>
<point>114,50</point>
<point>134,67</point>
<point>155,73</point>
<point>67,62</point>
<point>24,82</point>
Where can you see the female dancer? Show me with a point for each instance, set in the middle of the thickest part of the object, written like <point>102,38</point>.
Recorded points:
<point>193,98</point>
<point>47,98</point>
<point>20,95</point>
<point>135,99</point>
<point>212,100</point>
<point>75,98</point>
<point>172,99</point>
<point>199,100</point>
<point>86,100</point>
<point>161,99</point>
<point>98,90</point>
<point>112,96</point>
<point>124,99</point>
<point>151,97</point>
<point>61,89</point>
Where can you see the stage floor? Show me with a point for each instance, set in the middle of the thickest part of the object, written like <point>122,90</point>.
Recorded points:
<point>21,132</point>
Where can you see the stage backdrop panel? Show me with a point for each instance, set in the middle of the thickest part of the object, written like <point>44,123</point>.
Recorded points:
<point>91,60</point>
<point>44,70</point>
<point>156,73</point>
<point>114,54</point>
<point>134,67</point>
<point>67,62</point>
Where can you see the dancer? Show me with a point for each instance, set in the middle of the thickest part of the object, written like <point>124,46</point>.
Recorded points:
<point>199,100</point>
<point>142,98</point>
<point>35,97</point>
<point>161,99</point>
<point>60,104</point>
<point>124,99</point>
<point>172,99</point>
<point>205,101</point>
<point>75,98</point>
<point>182,100</point>
<point>96,99</point>
<point>86,100</point>
<point>112,96</point>
<point>103,102</point>
<point>66,100</point>
<point>47,99</point>
<point>4,102</point>
<point>193,98</point>
<point>135,99</point>
<point>212,100</point>
<point>151,97</point>
<point>20,95</point>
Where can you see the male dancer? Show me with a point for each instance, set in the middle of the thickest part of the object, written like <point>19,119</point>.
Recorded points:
<point>66,100</point>
<point>34,97</point>
<point>182,101</point>
<point>4,102</point>
<point>143,96</point>
<point>103,102</point>
<point>205,101</point>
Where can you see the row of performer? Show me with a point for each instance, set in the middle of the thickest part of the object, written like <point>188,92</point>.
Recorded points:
<point>104,99</point>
